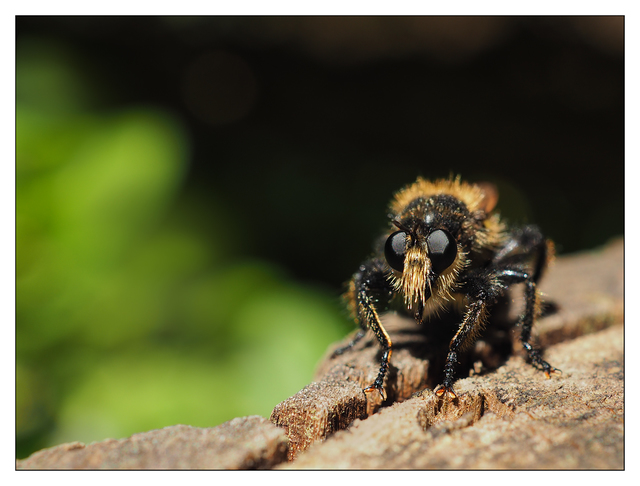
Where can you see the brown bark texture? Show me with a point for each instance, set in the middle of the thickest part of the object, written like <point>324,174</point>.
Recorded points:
<point>507,414</point>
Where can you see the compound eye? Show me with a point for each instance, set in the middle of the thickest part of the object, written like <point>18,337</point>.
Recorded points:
<point>442,250</point>
<point>394,250</point>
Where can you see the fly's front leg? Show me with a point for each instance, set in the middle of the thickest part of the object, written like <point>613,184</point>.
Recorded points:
<point>482,288</point>
<point>471,324</point>
<point>369,290</point>
<point>370,315</point>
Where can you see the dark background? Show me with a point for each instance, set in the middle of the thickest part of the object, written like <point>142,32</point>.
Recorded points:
<point>192,192</point>
<point>302,128</point>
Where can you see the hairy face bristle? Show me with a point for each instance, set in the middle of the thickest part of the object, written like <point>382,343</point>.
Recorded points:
<point>421,287</point>
<point>414,281</point>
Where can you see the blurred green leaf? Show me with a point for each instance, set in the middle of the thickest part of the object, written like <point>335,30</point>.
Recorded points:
<point>135,309</point>
<point>78,224</point>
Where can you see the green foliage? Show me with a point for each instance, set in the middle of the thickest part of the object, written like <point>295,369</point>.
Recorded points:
<point>130,314</point>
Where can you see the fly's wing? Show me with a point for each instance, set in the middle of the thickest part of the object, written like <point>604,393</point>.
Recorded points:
<point>490,196</point>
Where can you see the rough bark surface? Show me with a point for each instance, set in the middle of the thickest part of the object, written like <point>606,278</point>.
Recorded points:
<point>242,443</point>
<point>512,418</point>
<point>507,414</point>
<point>583,293</point>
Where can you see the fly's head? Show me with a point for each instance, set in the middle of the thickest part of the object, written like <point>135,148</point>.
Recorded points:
<point>436,232</point>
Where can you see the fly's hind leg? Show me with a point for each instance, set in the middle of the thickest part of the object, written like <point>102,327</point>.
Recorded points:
<point>514,274</point>
<point>526,324</point>
<point>524,244</point>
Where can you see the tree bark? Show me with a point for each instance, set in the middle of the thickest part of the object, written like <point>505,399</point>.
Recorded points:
<point>507,414</point>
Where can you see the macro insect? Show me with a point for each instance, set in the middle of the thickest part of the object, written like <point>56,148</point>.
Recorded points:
<point>447,250</point>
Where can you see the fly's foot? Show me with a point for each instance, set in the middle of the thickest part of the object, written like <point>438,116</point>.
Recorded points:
<point>376,386</point>
<point>536,359</point>
<point>384,367</point>
<point>549,370</point>
<point>445,391</point>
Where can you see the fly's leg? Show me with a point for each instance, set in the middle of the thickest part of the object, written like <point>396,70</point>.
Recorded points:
<point>368,313</point>
<point>523,242</point>
<point>356,339</point>
<point>369,290</point>
<point>532,305</point>
<point>482,288</point>
<point>471,324</point>
<point>526,324</point>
